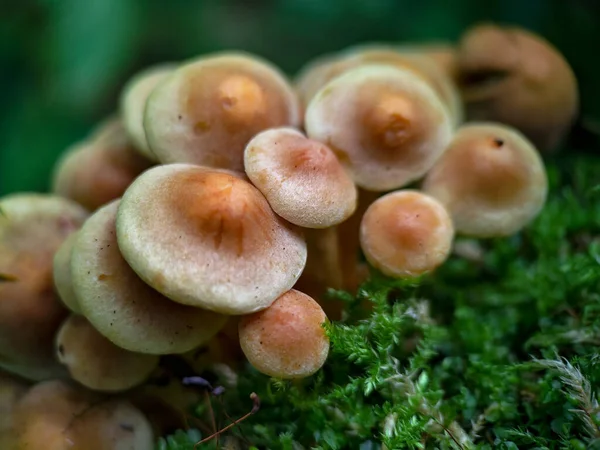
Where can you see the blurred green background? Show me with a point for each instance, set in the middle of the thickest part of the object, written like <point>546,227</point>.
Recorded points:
<point>62,62</point>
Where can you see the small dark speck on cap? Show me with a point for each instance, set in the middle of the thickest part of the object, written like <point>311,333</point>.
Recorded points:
<point>127,427</point>
<point>498,142</point>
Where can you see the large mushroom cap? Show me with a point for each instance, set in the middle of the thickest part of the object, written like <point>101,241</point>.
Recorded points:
<point>286,340</point>
<point>56,416</point>
<point>515,77</point>
<point>96,362</point>
<point>62,274</point>
<point>207,111</point>
<point>133,104</point>
<point>32,228</point>
<point>491,179</point>
<point>301,179</point>
<point>121,306</point>
<point>208,239</point>
<point>97,171</point>
<point>406,233</point>
<point>386,125</point>
<point>320,72</point>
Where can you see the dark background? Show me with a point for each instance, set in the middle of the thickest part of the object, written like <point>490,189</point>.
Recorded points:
<point>62,62</point>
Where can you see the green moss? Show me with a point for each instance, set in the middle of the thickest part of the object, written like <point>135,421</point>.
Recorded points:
<point>491,352</point>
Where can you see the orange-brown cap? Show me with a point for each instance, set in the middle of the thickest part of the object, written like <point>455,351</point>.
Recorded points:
<point>133,103</point>
<point>96,362</point>
<point>57,416</point>
<point>286,340</point>
<point>209,239</point>
<point>32,228</point>
<point>208,110</point>
<point>121,306</point>
<point>302,179</point>
<point>320,72</point>
<point>97,171</point>
<point>386,125</point>
<point>406,234</point>
<point>61,268</point>
<point>512,76</point>
<point>491,179</point>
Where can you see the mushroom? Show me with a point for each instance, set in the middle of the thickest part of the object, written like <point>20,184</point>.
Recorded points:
<point>121,306</point>
<point>208,109</point>
<point>286,340</point>
<point>98,170</point>
<point>63,282</point>
<point>32,228</point>
<point>56,416</point>
<point>515,77</point>
<point>491,179</point>
<point>301,179</point>
<point>316,75</point>
<point>406,234</point>
<point>11,390</point>
<point>133,103</point>
<point>96,362</point>
<point>385,124</point>
<point>209,239</point>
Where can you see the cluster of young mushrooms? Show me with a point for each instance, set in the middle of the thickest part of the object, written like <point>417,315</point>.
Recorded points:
<point>209,217</point>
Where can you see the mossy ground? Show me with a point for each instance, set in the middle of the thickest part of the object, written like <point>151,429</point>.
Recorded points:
<point>493,352</point>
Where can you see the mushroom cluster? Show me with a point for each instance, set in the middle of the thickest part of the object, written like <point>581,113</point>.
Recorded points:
<point>206,219</point>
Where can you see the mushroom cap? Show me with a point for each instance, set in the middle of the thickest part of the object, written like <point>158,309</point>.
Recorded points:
<point>491,179</point>
<point>96,362</point>
<point>133,104</point>
<point>207,110</point>
<point>406,233</point>
<point>286,340</point>
<point>386,125</point>
<point>11,390</point>
<point>63,281</point>
<point>209,239</point>
<point>56,416</point>
<point>317,74</point>
<point>515,77</point>
<point>302,179</point>
<point>121,306</point>
<point>32,228</point>
<point>97,171</point>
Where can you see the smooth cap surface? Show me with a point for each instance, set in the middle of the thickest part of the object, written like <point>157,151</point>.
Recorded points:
<point>491,179</point>
<point>386,125</point>
<point>208,239</point>
<point>121,306</point>
<point>406,233</point>
<point>301,179</point>
<point>286,340</point>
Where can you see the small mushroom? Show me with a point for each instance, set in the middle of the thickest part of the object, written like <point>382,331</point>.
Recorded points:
<point>11,390</point>
<point>121,306</point>
<point>515,77</point>
<point>56,416</point>
<point>385,124</point>
<point>406,233</point>
<point>317,74</point>
<point>133,103</point>
<point>491,179</point>
<point>301,179</point>
<point>63,282</point>
<point>207,110</point>
<point>286,340</point>
<point>96,362</point>
<point>97,171</point>
<point>209,239</point>
<point>32,228</point>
